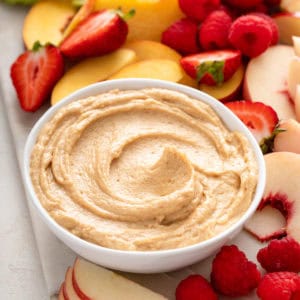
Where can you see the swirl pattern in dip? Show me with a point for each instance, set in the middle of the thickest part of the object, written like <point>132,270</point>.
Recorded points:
<point>142,170</point>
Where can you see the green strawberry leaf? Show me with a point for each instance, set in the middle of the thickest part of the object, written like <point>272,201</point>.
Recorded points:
<point>214,68</point>
<point>266,144</point>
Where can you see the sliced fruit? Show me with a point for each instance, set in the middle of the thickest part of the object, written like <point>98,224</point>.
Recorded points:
<point>55,16</point>
<point>297,103</point>
<point>100,33</point>
<point>289,139</point>
<point>94,69</point>
<point>60,293</point>
<point>228,90</point>
<point>290,5</point>
<point>265,80</point>
<point>212,67</point>
<point>68,289</point>
<point>267,223</point>
<point>293,78</point>
<point>94,282</point>
<point>282,188</point>
<point>85,10</point>
<point>288,25</point>
<point>296,44</point>
<point>34,75</point>
<point>164,69</point>
<point>151,17</point>
<point>146,49</point>
<point>261,119</point>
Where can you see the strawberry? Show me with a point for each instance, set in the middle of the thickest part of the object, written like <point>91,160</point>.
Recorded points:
<point>34,74</point>
<point>182,36</point>
<point>261,119</point>
<point>212,67</point>
<point>100,33</point>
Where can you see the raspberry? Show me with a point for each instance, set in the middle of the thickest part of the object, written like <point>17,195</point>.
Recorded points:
<point>279,286</point>
<point>280,255</point>
<point>213,33</point>
<point>198,9</point>
<point>232,273</point>
<point>182,36</point>
<point>250,34</point>
<point>243,4</point>
<point>195,287</point>
<point>272,24</point>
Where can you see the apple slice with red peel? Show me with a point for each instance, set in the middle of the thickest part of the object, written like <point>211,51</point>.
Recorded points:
<point>293,78</point>
<point>61,292</point>
<point>266,223</point>
<point>91,281</point>
<point>288,26</point>
<point>68,289</point>
<point>265,80</point>
<point>289,139</point>
<point>282,190</point>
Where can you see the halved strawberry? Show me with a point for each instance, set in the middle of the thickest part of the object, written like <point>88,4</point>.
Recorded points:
<point>100,33</point>
<point>34,74</point>
<point>261,119</point>
<point>212,67</point>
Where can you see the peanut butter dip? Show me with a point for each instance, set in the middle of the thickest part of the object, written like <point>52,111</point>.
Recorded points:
<point>142,170</point>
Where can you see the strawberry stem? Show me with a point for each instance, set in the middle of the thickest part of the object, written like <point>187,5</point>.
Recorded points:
<point>125,16</point>
<point>36,46</point>
<point>266,144</point>
<point>214,68</point>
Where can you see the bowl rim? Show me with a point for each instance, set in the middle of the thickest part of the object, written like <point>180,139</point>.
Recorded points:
<point>141,83</point>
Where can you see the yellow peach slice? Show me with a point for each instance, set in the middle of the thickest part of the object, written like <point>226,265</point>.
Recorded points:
<point>46,22</point>
<point>164,69</point>
<point>90,71</point>
<point>227,90</point>
<point>82,13</point>
<point>147,49</point>
<point>151,17</point>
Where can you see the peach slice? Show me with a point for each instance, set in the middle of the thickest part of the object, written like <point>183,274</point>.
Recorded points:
<point>151,17</point>
<point>228,90</point>
<point>94,282</point>
<point>164,69</point>
<point>90,71</point>
<point>46,22</point>
<point>146,49</point>
<point>266,223</point>
<point>288,140</point>
<point>68,289</point>
<point>288,26</point>
<point>265,80</point>
<point>282,190</point>
<point>87,8</point>
<point>293,78</point>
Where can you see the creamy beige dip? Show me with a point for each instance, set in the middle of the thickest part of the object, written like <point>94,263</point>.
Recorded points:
<point>142,170</point>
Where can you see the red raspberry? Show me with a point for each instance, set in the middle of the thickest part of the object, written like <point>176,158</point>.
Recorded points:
<point>198,9</point>
<point>195,287</point>
<point>243,4</point>
<point>279,286</point>
<point>273,26</point>
<point>232,273</point>
<point>280,255</point>
<point>182,36</point>
<point>213,33</point>
<point>250,34</point>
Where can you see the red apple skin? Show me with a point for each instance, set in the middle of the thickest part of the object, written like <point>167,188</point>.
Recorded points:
<point>78,291</point>
<point>68,289</point>
<point>61,292</point>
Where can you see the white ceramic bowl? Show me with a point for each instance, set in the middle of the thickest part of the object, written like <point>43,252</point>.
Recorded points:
<point>144,261</point>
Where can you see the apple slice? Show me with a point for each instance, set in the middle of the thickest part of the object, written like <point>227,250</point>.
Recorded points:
<point>290,5</point>
<point>90,71</point>
<point>46,21</point>
<point>265,80</point>
<point>297,102</point>
<point>288,26</point>
<point>68,289</point>
<point>266,223</point>
<point>228,90</point>
<point>61,293</point>
<point>282,188</point>
<point>296,44</point>
<point>293,78</point>
<point>164,69</point>
<point>146,49</point>
<point>288,140</point>
<point>94,282</point>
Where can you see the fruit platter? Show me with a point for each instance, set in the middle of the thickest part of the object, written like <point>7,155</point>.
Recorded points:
<point>244,54</point>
